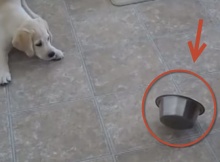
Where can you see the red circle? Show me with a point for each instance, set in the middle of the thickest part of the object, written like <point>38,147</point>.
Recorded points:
<point>144,101</point>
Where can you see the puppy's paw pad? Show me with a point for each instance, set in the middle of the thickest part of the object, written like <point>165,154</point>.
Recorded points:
<point>5,78</point>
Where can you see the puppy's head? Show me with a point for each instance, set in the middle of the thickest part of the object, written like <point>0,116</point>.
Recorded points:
<point>34,38</point>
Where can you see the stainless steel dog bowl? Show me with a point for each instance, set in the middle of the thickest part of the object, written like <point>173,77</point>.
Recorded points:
<point>179,112</point>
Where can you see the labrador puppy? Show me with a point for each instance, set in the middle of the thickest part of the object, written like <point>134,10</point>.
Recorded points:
<point>25,32</point>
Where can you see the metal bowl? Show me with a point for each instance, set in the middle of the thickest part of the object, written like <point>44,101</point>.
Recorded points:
<point>178,112</point>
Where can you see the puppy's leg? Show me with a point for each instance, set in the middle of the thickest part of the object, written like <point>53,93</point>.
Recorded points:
<point>5,76</point>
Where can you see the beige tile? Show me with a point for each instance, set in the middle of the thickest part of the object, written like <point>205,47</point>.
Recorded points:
<point>198,152</point>
<point>39,83</point>
<point>62,132</point>
<point>5,148</point>
<point>172,16</point>
<point>176,54</point>
<point>109,29</point>
<point>123,68</point>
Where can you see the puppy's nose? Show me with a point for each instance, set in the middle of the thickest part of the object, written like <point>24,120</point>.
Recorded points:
<point>51,54</point>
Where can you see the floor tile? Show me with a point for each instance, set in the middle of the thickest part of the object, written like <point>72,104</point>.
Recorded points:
<point>5,148</point>
<point>171,16</point>
<point>213,141</point>
<point>84,9</point>
<point>109,29</point>
<point>212,7</point>
<point>123,119</point>
<point>123,68</point>
<point>3,102</point>
<point>196,89</point>
<point>62,132</point>
<point>2,92</point>
<point>198,152</point>
<point>176,54</point>
<point>39,83</point>
<point>210,36</point>
<point>3,106</point>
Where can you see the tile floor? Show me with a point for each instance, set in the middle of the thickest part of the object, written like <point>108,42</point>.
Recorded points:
<point>87,107</point>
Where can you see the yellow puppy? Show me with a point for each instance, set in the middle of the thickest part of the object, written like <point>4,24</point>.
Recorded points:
<point>28,33</point>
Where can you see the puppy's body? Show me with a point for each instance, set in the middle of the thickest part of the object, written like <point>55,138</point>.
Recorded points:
<point>18,29</point>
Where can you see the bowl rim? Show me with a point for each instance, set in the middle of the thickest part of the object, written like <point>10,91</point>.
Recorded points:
<point>158,99</point>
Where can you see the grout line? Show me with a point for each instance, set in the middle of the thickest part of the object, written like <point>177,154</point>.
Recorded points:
<point>11,133</point>
<point>78,43</point>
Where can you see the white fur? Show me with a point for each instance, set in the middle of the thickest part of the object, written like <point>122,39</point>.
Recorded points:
<point>22,29</point>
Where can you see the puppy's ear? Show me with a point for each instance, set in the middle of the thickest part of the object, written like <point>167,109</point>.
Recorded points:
<point>23,41</point>
<point>45,24</point>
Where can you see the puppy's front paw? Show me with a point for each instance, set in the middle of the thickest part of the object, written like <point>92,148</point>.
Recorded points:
<point>5,77</point>
<point>59,55</point>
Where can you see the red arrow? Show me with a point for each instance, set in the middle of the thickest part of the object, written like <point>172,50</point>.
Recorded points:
<point>197,51</point>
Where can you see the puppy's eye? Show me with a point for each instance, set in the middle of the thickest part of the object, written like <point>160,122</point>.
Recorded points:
<point>48,38</point>
<point>39,44</point>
